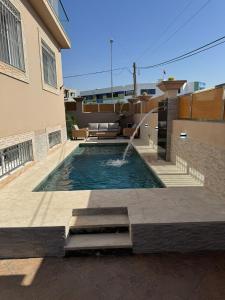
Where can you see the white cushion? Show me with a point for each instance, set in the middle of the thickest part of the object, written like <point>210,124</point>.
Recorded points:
<point>103,126</point>
<point>93,126</point>
<point>114,126</point>
<point>75,127</point>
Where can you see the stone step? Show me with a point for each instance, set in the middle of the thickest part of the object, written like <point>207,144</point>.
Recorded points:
<point>100,211</point>
<point>98,241</point>
<point>97,221</point>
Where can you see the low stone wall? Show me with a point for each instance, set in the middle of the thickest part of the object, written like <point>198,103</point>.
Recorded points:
<point>39,140</point>
<point>178,237</point>
<point>202,153</point>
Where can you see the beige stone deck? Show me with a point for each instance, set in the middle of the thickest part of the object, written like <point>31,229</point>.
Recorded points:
<point>183,202</point>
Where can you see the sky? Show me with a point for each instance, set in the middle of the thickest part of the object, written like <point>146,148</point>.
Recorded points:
<point>144,31</point>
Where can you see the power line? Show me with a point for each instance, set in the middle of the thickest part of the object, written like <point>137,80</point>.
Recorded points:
<point>188,54</point>
<point>182,26</point>
<point>167,28</point>
<point>94,73</point>
<point>198,50</point>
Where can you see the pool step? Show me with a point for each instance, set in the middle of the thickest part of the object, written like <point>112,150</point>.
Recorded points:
<point>100,211</point>
<point>99,230</point>
<point>99,223</point>
<point>98,241</point>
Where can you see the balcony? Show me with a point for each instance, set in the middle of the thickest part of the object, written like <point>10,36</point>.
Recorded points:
<point>59,10</point>
<point>53,14</point>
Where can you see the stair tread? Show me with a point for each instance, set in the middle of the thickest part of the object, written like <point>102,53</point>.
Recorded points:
<point>98,241</point>
<point>98,221</point>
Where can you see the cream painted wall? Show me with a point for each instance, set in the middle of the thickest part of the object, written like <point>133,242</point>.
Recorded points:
<point>148,134</point>
<point>202,153</point>
<point>26,104</point>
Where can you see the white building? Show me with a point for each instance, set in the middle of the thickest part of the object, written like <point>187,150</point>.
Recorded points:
<point>123,93</point>
<point>70,94</point>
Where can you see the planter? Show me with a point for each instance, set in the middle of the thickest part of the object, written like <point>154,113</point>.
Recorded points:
<point>169,85</point>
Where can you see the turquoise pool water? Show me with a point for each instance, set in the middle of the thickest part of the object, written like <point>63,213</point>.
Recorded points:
<point>96,167</point>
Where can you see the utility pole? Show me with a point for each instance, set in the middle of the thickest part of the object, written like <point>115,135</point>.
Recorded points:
<point>135,79</point>
<point>111,51</point>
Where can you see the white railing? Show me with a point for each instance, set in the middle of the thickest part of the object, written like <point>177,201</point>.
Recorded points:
<point>15,156</point>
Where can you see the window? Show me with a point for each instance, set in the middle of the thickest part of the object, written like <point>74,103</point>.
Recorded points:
<point>11,42</point>
<point>129,93</point>
<point>15,156</point>
<point>148,91</point>
<point>99,96</point>
<point>54,138</point>
<point>49,65</point>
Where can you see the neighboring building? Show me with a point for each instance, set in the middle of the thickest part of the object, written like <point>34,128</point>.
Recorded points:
<point>70,94</point>
<point>191,87</point>
<point>123,93</point>
<point>32,116</point>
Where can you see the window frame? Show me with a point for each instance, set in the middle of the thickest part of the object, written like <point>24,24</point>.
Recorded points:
<point>48,50</point>
<point>13,46</point>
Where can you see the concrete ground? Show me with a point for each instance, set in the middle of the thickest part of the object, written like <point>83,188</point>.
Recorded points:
<point>141,277</point>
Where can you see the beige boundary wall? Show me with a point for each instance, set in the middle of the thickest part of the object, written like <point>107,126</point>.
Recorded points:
<point>30,109</point>
<point>202,153</point>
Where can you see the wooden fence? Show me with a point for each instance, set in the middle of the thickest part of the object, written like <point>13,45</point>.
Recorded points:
<point>70,106</point>
<point>104,108</point>
<point>205,105</point>
<point>145,107</point>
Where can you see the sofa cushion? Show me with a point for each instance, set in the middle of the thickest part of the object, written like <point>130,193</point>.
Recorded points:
<point>113,126</point>
<point>93,126</point>
<point>103,126</point>
<point>75,127</point>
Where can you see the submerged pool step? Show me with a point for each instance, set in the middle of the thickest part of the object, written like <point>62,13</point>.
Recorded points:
<point>100,241</point>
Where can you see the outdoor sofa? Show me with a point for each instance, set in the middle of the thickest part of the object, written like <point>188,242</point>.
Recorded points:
<point>81,133</point>
<point>103,129</point>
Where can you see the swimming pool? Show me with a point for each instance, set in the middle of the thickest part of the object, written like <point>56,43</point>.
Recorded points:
<point>100,166</point>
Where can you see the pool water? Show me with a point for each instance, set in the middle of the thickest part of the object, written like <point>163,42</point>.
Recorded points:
<point>96,167</point>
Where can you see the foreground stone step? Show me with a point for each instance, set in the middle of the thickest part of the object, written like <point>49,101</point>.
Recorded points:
<point>93,221</point>
<point>98,241</point>
<point>100,211</point>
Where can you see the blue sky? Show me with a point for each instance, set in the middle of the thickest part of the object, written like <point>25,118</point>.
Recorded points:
<point>140,29</point>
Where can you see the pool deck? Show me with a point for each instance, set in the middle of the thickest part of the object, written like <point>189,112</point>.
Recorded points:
<point>183,217</point>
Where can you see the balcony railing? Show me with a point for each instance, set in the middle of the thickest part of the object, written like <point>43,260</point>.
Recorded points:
<point>59,10</point>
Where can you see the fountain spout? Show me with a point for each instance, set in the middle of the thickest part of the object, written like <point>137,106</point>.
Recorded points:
<point>136,130</point>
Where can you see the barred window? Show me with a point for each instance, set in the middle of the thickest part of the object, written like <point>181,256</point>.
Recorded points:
<point>49,65</point>
<point>54,138</point>
<point>11,42</point>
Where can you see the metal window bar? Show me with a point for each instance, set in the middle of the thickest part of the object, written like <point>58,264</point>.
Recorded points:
<point>15,156</point>
<point>49,65</point>
<point>54,138</point>
<point>11,41</point>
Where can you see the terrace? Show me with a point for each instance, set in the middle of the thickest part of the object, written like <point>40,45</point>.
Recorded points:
<point>186,216</point>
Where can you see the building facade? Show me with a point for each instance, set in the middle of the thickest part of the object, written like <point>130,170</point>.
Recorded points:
<point>32,116</point>
<point>123,93</point>
<point>70,94</point>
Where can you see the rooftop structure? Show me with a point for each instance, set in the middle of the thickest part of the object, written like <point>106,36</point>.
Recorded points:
<point>123,93</point>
